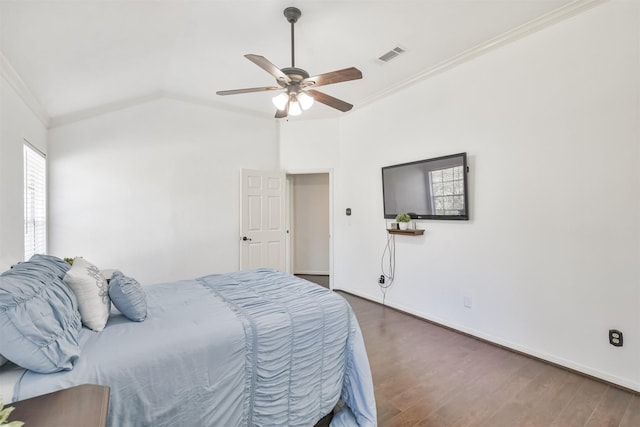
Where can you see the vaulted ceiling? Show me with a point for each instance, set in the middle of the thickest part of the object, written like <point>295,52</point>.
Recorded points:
<point>79,58</point>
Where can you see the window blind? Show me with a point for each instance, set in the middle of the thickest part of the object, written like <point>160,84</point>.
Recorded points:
<point>35,202</point>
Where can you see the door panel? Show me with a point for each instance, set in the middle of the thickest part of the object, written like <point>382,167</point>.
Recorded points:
<point>275,213</point>
<point>255,213</point>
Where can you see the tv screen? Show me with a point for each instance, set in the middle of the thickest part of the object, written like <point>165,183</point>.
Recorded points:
<point>427,189</point>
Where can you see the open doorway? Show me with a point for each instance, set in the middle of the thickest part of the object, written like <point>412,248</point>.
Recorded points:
<point>310,226</point>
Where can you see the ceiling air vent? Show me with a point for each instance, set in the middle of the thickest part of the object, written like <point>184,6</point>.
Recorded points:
<point>391,54</point>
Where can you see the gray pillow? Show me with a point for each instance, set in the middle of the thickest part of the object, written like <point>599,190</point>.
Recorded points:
<point>39,318</point>
<point>128,296</point>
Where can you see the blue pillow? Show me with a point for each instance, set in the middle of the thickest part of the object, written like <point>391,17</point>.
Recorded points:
<point>44,263</point>
<point>128,296</point>
<point>39,318</point>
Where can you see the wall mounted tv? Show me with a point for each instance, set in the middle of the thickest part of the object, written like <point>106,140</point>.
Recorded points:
<point>427,189</point>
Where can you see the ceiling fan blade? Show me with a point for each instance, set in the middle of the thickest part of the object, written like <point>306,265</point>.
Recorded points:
<point>281,114</point>
<point>247,90</point>
<point>332,102</point>
<point>333,77</point>
<point>266,65</point>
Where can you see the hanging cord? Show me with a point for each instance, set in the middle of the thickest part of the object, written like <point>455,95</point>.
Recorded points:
<point>389,248</point>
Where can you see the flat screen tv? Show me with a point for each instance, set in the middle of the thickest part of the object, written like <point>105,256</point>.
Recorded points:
<point>427,189</point>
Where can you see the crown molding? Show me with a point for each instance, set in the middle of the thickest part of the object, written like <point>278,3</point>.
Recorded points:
<point>13,78</point>
<point>544,21</point>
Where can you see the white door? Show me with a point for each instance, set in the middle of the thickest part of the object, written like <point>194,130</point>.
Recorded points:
<point>263,227</point>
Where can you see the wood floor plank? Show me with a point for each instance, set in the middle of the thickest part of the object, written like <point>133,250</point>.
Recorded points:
<point>631,417</point>
<point>482,397</point>
<point>514,407</point>
<point>557,392</point>
<point>610,409</point>
<point>585,400</point>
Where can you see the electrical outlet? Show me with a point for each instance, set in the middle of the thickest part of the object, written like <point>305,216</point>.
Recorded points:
<point>381,279</point>
<point>615,337</point>
<point>467,302</point>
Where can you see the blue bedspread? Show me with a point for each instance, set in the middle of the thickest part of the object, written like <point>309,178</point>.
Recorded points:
<point>253,348</point>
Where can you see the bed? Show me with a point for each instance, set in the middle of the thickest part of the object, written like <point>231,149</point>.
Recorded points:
<point>251,348</point>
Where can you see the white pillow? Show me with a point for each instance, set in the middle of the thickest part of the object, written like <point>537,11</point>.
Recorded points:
<point>91,290</point>
<point>3,360</point>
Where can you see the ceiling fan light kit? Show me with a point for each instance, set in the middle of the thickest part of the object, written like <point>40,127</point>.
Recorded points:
<point>296,82</point>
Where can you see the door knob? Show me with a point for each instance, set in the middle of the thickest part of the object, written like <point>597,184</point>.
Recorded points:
<point>245,238</point>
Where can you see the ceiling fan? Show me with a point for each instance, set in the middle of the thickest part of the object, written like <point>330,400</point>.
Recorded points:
<point>298,95</point>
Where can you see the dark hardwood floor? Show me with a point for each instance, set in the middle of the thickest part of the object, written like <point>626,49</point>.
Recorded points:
<point>427,375</point>
<point>320,279</point>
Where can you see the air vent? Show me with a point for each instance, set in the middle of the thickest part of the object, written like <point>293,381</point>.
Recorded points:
<point>393,53</point>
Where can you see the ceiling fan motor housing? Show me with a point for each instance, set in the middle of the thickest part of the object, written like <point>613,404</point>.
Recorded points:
<point>295,74</point>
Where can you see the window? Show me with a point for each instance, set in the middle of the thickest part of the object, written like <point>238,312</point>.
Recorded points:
<point>35,202</point>
<point>448,190</point>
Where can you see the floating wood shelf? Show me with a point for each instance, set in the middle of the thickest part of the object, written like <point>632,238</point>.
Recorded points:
<point>406,232</point>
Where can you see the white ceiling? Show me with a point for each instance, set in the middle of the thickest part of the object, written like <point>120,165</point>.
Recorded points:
<point>78,57</point>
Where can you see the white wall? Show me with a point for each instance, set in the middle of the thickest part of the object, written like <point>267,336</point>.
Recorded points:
<point>550,257</point>
<point>311,223</point>
<point>154,189</point>
<point>17,123</point>
<point>309,145</point>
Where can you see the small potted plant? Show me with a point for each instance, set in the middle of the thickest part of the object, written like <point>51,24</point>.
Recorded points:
<point>4,416</point>
<point>403,220</point>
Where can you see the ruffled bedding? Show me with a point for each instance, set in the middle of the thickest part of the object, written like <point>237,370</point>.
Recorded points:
<point>253,348</point>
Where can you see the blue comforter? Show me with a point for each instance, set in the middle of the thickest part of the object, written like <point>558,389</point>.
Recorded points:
<point>253,348</point>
